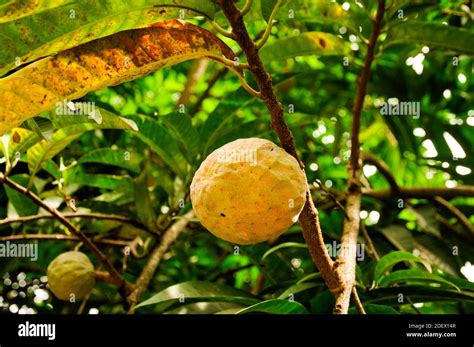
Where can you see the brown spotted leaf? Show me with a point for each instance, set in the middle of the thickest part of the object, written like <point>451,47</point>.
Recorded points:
<point>109,61</point>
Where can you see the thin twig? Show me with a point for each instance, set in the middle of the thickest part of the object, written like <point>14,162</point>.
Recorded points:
<point>222,31</point>
<point>309,216</point>
<point>168,237</point>
<point>347,261</point>
<point>61,237</point>
<point>83,304</point>
<point>420,192</point>
<point>356,300</point>
<point>71,227</point>
<point>195,73</point>
<point>247,7</point>
<point>369,158</point>
<point>237,69</point>
<point>455,212</point>
<point>82,215</point>
<point>333,198</point>
<point>459,233</point>
<point>268,29</point>
<point>210,84</point>
<point>369,242</point>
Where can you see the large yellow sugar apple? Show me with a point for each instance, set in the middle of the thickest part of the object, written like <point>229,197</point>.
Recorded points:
<point>71,273</point>
<point>248,191</point>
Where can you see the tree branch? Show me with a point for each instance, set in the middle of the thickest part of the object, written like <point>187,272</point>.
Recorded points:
<point>456,213</point>
<point>309,216</point>
<point>197,70</point>
<point>420,192</point>
<point>168,237</point>
<point>71,227</point>
<point>111,217</point>
<point>356,300</point>
<point>61,237</point>
<point>369,242</point>
<point>210,84</point>
<point>347,261</point>
<point>369,158</point>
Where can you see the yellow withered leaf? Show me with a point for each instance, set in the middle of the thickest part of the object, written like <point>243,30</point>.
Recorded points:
<point>109,61</point>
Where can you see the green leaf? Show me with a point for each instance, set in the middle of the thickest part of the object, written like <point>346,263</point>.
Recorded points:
<point>115,157</point>
<point>274,267</point>
<point>12,9</point>
<point>401,276</point>
<point>41,126</point>
<point>266,7</point>
<point>312,276</point>
<point>20,140</point>
<point>375,309</point>
<point>143,204</point>
<point>196,291</point>
<point>216,122</point>
<point>391,259</point>
<point>276,307</point>
<point>181,128</point>
<point>308,43</point>
<point>323,302</point>
<point>45,150</point>
<point>80,21</point>
<point>297,288</point>
<point>461,283</point>
<point>426,219</point>
<point>431,249</point>
<point>391,295</point>
<point>22,204</point>
<point>207,308</point>
<point>284,245</point>
<point>409,6</point>
<point>161,142</point>
<point>109,182</point>
<point>445,37</point>
<point>47,83</point>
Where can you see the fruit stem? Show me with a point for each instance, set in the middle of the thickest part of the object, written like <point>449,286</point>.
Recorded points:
<point>309,216</point>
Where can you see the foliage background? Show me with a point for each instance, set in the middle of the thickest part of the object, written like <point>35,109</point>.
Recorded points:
<point>317,87</point>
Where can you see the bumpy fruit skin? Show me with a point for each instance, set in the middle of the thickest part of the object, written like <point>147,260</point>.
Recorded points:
<point>71,273</point>
<point>248,191</point>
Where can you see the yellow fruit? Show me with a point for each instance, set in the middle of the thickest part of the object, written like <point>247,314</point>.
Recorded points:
<point>248,191</point>
<point>71,273</point>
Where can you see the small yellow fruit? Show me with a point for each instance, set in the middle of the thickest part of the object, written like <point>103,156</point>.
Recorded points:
<point>248,191</point>
<point>71,273</point>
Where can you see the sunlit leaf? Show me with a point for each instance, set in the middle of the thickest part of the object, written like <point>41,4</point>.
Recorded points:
<point>121,57</point>
<point>66,24</point>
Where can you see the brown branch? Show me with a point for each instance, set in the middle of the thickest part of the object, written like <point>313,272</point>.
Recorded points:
<point>421,192</point>
<point>369,158</point>
<point>347,261</point>
<point>456,213</point>
<point>368,241</point>
<point>106,277</point>
<point>197,70</point>
<point>210,84</point>
<point>356,300</point>
<point>309,216</point>
<point>101,216</point>
<point>459,233</point>
<point>61,237</point>
<point>168,237</point>
<point>71,227</point>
